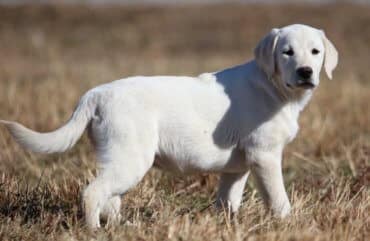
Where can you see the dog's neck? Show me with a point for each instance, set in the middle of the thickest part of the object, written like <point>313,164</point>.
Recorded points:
<point>297,99</point>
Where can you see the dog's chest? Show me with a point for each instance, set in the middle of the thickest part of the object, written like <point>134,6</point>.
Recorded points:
<point>273,134</point>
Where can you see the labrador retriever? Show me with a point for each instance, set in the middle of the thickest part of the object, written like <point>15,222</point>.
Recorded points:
<point>231,122</point>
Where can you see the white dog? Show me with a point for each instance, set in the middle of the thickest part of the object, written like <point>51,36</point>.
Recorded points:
<point>230,122</point>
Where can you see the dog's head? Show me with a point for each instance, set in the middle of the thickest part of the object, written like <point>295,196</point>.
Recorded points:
<point>296,53</point>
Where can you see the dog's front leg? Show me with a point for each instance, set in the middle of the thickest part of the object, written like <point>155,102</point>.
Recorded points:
<point>267,171</point>
<point>230,191</point>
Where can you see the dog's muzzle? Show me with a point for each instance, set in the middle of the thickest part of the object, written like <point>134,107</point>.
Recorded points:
<point>305,84</point>
<point>302,84</point>
<point>305,78</point>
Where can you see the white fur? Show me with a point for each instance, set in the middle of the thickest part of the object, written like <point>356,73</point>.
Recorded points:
<point>230,122</point>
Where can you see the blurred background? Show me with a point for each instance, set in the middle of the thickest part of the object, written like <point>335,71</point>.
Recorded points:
<point>51,52</point>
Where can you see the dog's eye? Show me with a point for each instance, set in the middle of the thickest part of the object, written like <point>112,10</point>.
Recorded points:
<point>289,52</point>
<point>315,51</point>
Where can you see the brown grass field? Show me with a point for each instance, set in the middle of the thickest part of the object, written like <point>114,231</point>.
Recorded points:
<point>51,55</point>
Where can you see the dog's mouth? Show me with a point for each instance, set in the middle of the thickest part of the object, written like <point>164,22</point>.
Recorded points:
<point>302,85</point>
<point>306,85</point>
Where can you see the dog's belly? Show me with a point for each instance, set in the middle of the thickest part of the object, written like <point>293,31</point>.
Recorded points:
<point>205,158</point>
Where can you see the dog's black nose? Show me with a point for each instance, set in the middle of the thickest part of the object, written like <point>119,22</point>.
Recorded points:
<point>304,72</point>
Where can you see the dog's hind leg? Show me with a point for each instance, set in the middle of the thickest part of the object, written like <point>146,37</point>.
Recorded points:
<point>125,153</point>
<point>94,197</point>
<point>115,178</point>
<point>111,210</point>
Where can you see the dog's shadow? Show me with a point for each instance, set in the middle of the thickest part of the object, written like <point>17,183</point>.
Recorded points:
<point>247,111</point>
<point>39,202</point>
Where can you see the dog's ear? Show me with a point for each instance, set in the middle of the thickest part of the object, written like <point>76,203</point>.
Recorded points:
<point>265,52</point>
<point>331,55</point>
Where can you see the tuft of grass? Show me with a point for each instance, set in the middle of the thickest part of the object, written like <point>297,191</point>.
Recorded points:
<point>54,53</point>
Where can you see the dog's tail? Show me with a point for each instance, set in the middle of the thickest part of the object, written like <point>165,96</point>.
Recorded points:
<point>61,139</point>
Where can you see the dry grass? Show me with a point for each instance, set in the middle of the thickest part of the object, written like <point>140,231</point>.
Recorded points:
<point>51,55</point>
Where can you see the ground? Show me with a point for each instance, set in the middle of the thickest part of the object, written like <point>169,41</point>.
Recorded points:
<point>51,55</point>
